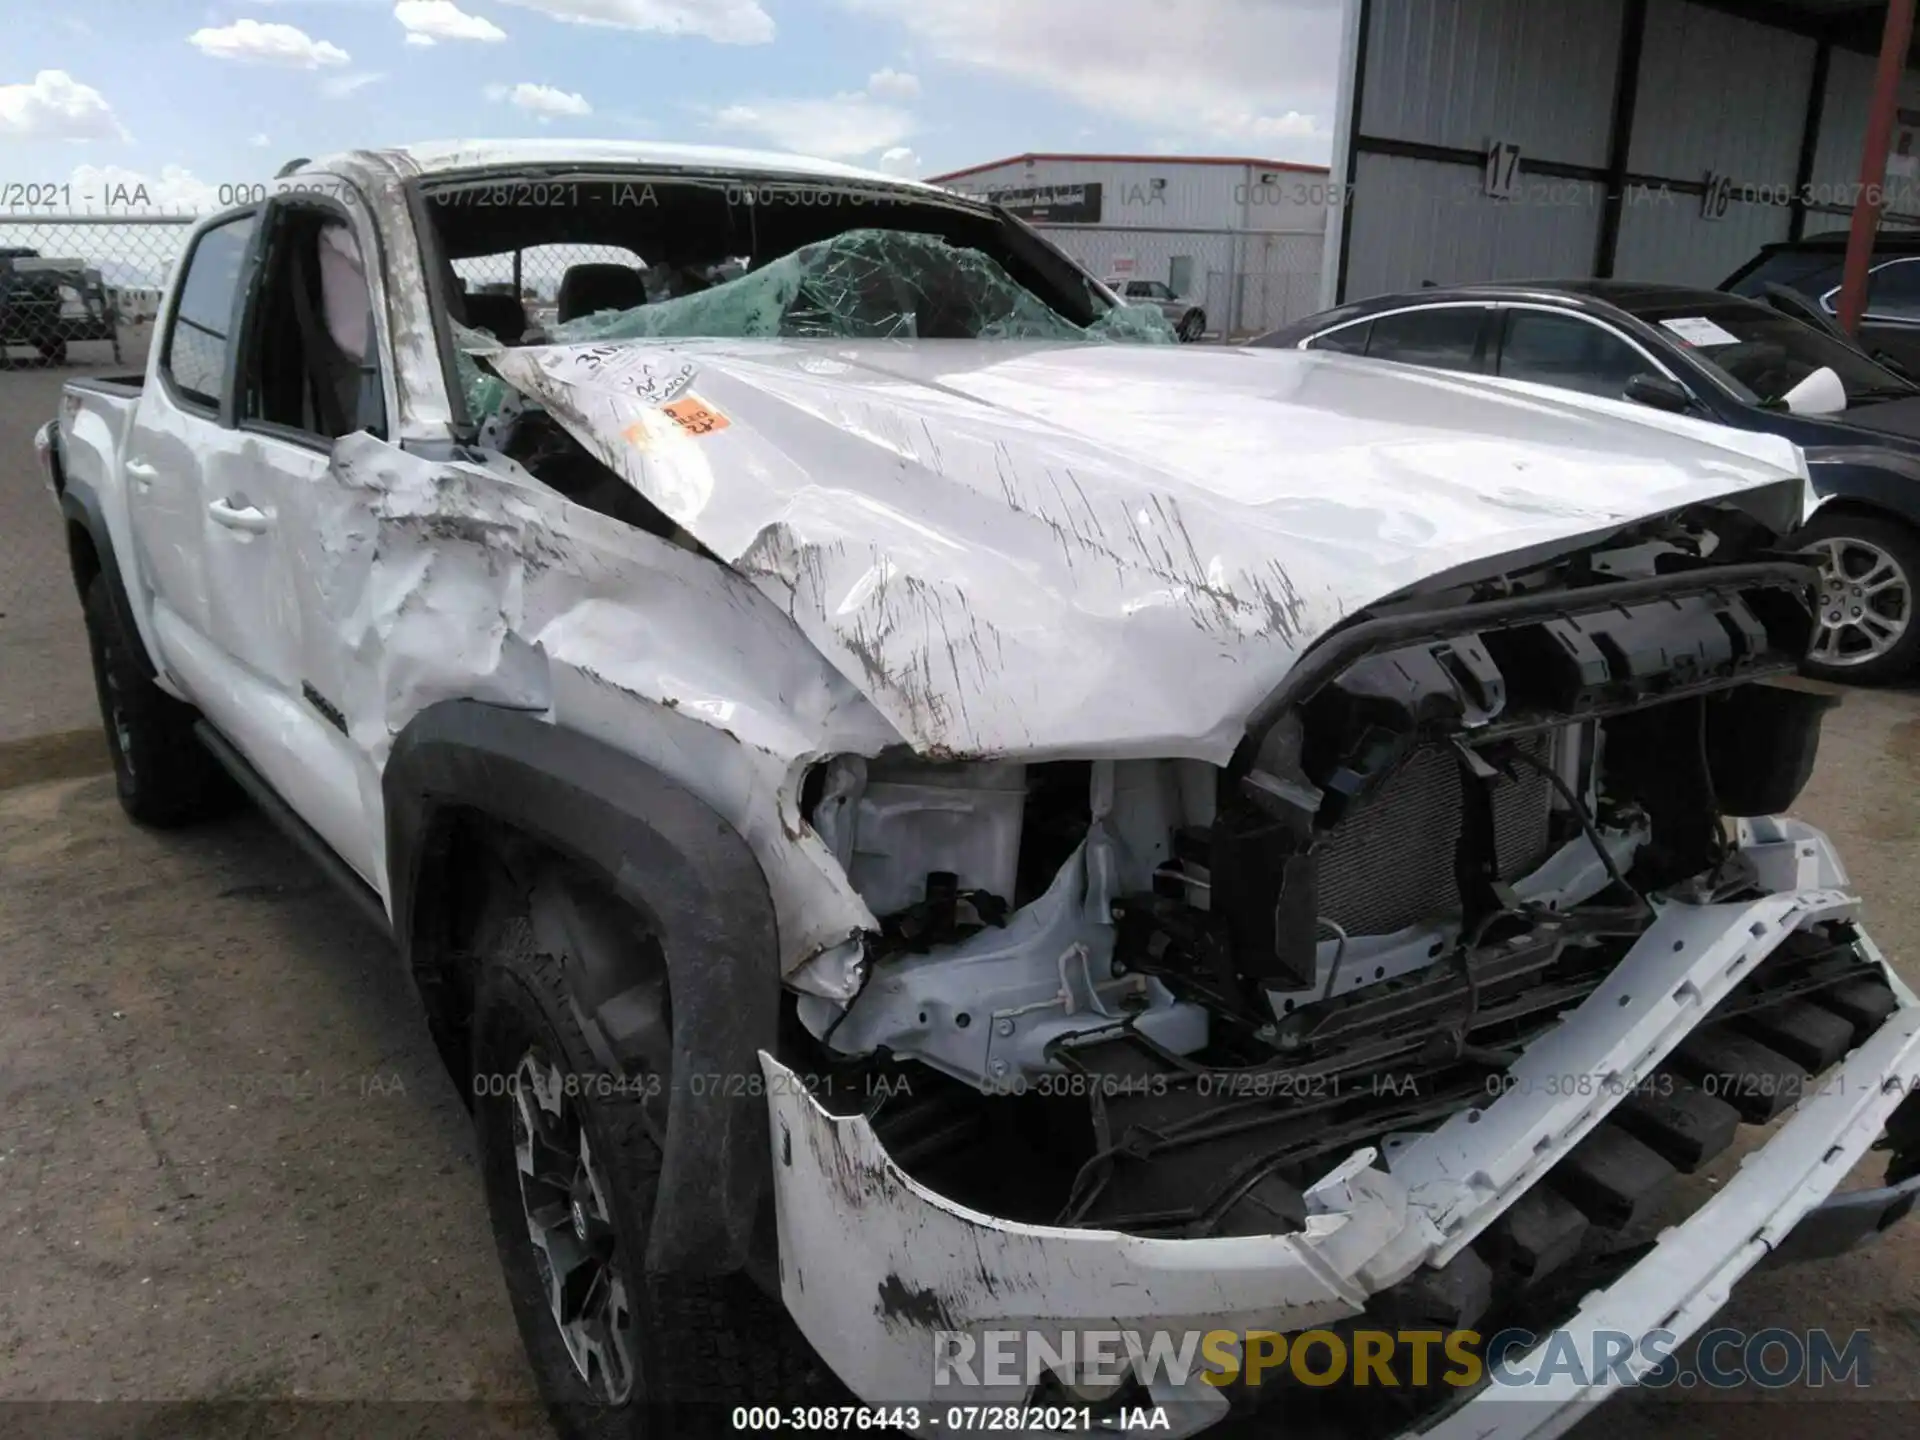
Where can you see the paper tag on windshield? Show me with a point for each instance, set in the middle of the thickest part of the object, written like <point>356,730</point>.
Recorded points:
<point>1698,330</point>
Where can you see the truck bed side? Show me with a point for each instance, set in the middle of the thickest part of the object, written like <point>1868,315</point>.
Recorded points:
<point>91,435</point>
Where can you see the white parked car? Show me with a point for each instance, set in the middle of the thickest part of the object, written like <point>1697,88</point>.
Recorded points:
<point>910,819</point>
<point>1187,316</point>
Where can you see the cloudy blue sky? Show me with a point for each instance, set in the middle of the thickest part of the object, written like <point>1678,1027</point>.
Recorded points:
<point>186,96</point>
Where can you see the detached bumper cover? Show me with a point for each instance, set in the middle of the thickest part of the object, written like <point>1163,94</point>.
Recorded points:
<point>1691,1272</point>
<point>875,1264</point>
<point>1841,1222</point>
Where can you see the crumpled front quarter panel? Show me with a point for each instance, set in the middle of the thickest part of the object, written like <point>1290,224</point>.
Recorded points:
<point>421,580</point>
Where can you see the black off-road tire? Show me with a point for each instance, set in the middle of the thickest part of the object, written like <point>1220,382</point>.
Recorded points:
<point>165,777</point>
<point>704,1344</point>
<point>1193,325</point>
<point>53,352</point>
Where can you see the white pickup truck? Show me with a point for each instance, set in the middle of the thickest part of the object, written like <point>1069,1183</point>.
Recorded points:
<point>907,809</point>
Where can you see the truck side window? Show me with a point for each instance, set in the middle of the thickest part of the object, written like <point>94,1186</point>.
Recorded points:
<point>195,359</point>
<point>311,364</point>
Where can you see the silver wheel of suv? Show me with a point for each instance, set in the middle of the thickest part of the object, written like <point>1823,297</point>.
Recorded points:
<point>1865,602</point>
<point>564,1195</point>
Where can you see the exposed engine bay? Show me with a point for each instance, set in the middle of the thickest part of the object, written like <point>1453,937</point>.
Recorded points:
<point>1178,993</point>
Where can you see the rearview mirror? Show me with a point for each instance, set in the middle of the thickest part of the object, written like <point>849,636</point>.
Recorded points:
<point>1659,392</point>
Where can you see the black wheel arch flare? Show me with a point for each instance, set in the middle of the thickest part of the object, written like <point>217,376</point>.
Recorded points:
<point>660,849</point>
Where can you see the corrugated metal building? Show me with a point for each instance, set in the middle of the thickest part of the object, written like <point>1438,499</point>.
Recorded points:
<point>1245,238</point>
<point>1650,139</point>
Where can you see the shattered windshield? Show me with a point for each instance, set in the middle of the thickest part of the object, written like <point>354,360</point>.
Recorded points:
<point>560,258</point>
<point>860,285</point>
<point>867,285</point>
<point>863,285</point>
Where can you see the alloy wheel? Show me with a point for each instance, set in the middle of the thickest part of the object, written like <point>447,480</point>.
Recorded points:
<point>564,1194</point>
<point>1865,602</point>
<point>116,706</point>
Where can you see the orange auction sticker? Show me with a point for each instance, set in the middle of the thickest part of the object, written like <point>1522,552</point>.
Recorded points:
<point>695,416</point>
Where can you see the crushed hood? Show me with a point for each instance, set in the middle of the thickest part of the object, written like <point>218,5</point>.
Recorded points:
<point>1109,550</point>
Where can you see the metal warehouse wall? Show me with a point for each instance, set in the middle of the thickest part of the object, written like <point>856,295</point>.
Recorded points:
<point>1719,94</point>
<point>1203,197</point>
<point>1250,234</point>
<point>1621,110</point>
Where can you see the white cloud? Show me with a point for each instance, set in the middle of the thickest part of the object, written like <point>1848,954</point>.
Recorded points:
<point>543,100</point>
<point>901,160</point>
<point>261,141</point>
<point>836,128</point>
<point>729,22</point>
<point>426,21</point>
<point>1241,72</point>
<point>339,87</point>
<point>893,84</point>
<point>267,44</point>
<point>55,106</point>
<point>174,191</point>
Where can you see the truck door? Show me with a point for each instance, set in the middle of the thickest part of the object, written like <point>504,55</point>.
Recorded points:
<point>307,373</point>
<point>179,423</point>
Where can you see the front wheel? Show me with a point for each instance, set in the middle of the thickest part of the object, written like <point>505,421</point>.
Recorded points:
<point>1865,632</point>
<point>1192,325</point>
<point>53,352</point>
<point>571,1160</point>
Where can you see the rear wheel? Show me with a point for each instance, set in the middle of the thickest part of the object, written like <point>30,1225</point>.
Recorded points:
<point>1192,325</point>
<point>164,775</point>
<point>1865,629</point>
<point>571,1160</point>
<point>54,352</point>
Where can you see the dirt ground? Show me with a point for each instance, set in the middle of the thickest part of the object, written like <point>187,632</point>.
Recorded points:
<point>40,691</point>
<point>236,1191</point>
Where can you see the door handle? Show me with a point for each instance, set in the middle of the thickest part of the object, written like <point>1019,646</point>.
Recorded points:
<point>140,472</point>
<point>250,518</point>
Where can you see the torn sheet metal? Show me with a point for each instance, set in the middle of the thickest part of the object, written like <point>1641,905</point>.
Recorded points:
<point>874,1264</point>
<point>420,580</point>
<point>1110,550</point>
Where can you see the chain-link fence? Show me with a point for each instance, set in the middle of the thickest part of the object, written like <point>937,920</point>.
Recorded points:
<point>77,297</point>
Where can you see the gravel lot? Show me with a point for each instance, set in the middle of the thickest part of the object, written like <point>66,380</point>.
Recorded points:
<point>234,1182</point>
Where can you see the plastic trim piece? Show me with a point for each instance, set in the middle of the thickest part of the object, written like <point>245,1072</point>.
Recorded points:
<point>1342,648</point>
<point>289,823</point>
<point>670,857</point>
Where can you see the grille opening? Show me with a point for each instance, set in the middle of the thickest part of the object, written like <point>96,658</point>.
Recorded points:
<point>1390,863</point>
